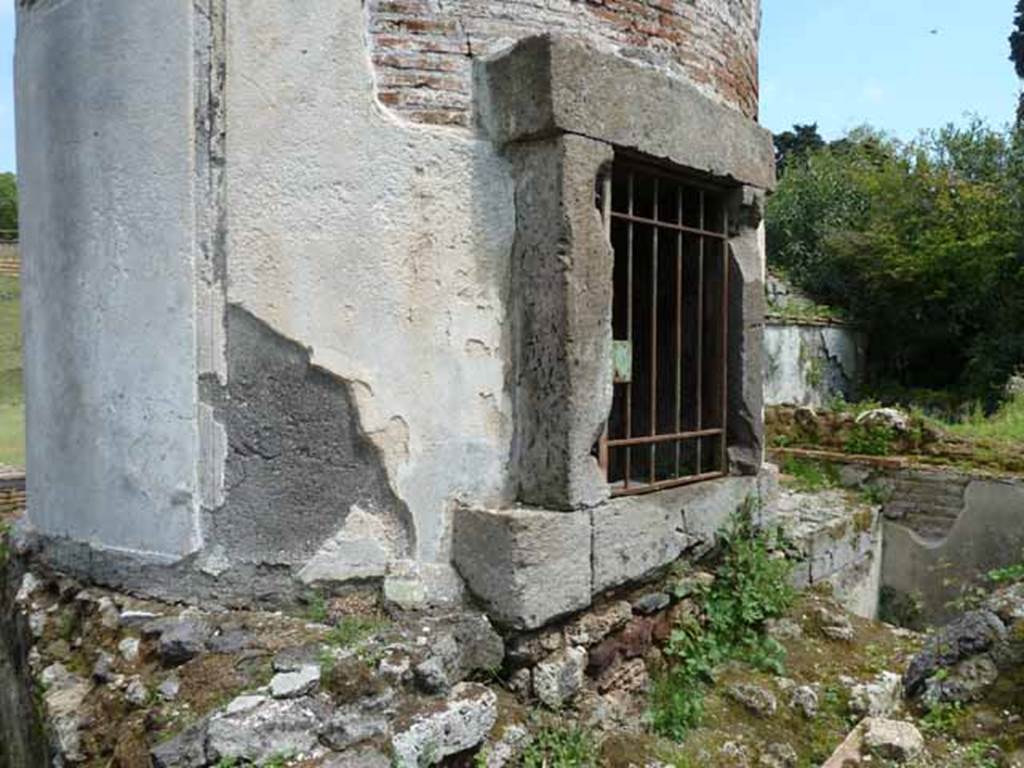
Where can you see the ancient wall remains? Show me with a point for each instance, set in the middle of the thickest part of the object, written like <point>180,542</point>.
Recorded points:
<point>422,50</point>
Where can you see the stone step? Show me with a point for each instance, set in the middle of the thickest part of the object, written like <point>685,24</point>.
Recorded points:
<point>929,491</point>
<point>927,527</point>
<point>903,505</point>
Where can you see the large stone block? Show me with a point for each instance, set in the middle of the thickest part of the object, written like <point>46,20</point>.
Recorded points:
<point>707,507</point>
<point>527,566</point>
<point>562,310</point>
<point>634,536</point>
<point>547,85</point>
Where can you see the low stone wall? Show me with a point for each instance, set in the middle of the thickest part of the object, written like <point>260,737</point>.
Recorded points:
<point>529,567</point>
<point>811,363</point>
<point>838,541</point>
<point>12,492</point>
<point>928,575</point>
<point>10,260</point>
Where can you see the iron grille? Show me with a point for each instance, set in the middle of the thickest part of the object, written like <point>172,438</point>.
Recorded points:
<point>667,425</point>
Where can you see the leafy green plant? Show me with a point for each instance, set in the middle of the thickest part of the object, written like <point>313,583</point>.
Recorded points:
<point>809,476</point>
<point>870,440</point>
<point>875,494</point>
<point>752,585</point>
<point>562,747</point>
<point>316,607</point>
<point>942,719</point>
<point>353,630</point>
<point>983,753</point>
<point>1011,573</point>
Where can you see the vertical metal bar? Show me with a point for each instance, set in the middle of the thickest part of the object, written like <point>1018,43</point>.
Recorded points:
<point>700,336</point>
<point>629,326</point>
<point>679,325</point>
<point>606,211</point>
<point>654,336</point>
<point>725,343</point>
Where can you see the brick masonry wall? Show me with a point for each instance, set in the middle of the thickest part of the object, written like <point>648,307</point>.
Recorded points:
<point>422,50</point>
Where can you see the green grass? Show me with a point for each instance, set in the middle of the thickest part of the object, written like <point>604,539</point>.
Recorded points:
<point>809,476</point>
<point>1007,423</point>
<point>560,746</point>
<point>12,410</point>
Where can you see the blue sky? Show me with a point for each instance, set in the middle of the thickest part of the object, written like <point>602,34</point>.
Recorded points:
<point>840,63</point>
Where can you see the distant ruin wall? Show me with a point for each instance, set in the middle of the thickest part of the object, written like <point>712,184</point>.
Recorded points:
<point>423,50</point>
<point>812,363</point>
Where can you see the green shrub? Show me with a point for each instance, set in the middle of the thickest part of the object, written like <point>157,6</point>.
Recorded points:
<point>809,476</point>
<point>920,242</point>
<point>752,585</point>
<point>870,440</point>
<point>562,747</point>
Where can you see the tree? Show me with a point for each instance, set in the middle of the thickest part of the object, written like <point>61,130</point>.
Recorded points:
<point>1017,40</point>
<point>1017,53</point>
<point>791,145</point>
<point>920,243</point>
<point>8,206</point>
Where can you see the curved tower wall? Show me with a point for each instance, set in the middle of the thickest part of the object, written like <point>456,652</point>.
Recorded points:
<point>269,257</point>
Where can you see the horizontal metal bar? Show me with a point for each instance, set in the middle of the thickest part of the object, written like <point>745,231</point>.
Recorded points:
<point>668,225</point>
<point>636,490</point>
<point>668,438</point>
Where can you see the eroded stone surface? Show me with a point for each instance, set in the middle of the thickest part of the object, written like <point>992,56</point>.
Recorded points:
<point>461,722</point>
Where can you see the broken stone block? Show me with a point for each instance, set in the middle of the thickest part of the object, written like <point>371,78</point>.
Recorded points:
<point>652,603</point>
<point>967,681</point>
<point>594,626</point>
<point>879,698</point>
<point>186,750</point>
<point>892,740</point>
<point>974,633</point>
<point>169,689</point>
<point>103,669</point>
<point>136,693</point>
<point>358,758</point>
<point>290,685</point>
<point>353,725</point>
<point>755,699</point>
<point>65,694</point>
<point>804,699</point>
<point>558,679</point>
<point>182,640</point>
<point>461,723</point>
<point>257,728</point>
<point>431,676</point>
<point>129,649</point>
<point>628,677</point>
<point>527,566</point>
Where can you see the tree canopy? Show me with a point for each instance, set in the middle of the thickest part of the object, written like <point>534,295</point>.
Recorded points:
<point>8,206</point>
<point>921,243</point>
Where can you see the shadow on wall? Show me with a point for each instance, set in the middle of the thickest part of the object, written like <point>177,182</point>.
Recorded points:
<point>925,578</point>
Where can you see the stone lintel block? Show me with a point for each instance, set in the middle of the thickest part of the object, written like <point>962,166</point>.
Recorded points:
<point>552,84</point>
<point>527,566</point>
<point>634,536</point>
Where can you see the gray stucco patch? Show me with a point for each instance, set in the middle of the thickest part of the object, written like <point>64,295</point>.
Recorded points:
<point>298,462</point>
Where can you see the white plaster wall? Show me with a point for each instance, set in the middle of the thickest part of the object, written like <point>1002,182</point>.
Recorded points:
<point>381,246</point>
<point>105,160</point>
<point>811,364</point>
